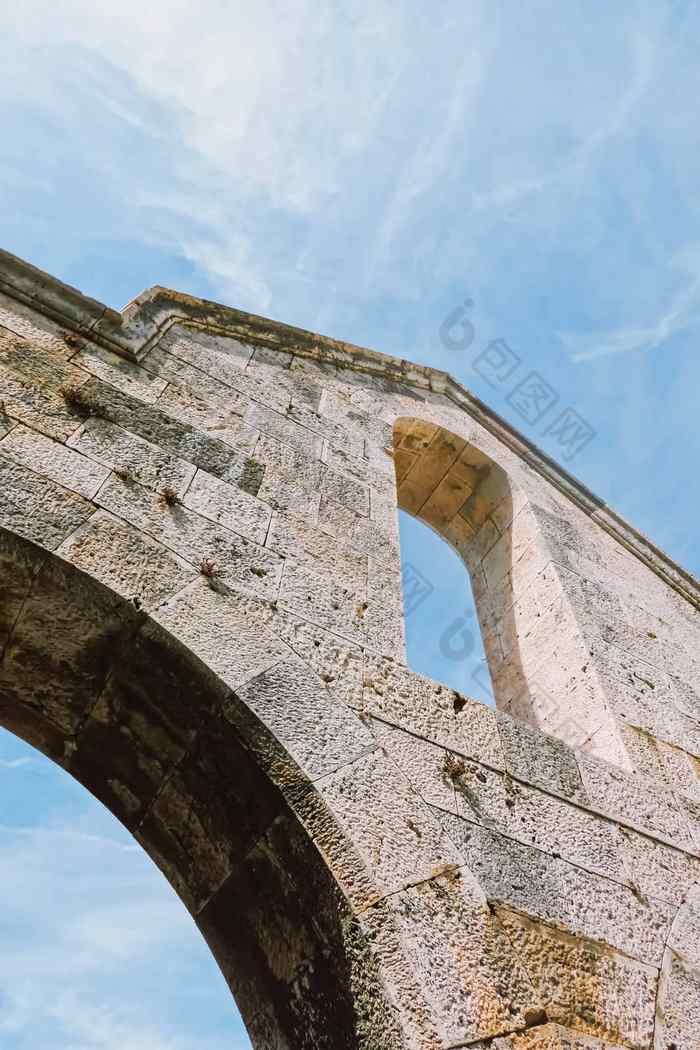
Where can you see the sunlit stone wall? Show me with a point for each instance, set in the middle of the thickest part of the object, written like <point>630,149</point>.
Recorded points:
<point>231,485</point>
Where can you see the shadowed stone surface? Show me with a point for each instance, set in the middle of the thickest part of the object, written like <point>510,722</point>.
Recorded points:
<point>201,620</point>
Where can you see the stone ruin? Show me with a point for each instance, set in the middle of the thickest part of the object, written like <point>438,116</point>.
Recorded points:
<point>201,620</point>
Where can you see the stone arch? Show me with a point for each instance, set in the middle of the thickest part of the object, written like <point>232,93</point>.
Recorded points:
<point>319,936</point>
<point>473,503</point>
<point>141,722</point>
<point>322,810</point>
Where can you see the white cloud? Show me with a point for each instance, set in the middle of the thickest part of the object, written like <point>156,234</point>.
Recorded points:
<point>15,763</point>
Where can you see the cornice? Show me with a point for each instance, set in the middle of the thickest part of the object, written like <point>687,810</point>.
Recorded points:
<point>132,332</point>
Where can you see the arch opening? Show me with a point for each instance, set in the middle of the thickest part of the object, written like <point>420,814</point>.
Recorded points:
<point>97,949</point>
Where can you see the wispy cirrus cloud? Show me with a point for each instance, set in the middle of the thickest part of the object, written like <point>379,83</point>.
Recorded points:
<point>681,314</point>
<point>358,169</point>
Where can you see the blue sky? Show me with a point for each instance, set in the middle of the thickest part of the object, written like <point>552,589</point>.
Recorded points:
<point>360,170</point>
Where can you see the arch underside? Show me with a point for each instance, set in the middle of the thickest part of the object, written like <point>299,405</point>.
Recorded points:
<point>141,723</point>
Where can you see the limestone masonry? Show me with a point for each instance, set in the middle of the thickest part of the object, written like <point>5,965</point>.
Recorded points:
<point>201,620</point>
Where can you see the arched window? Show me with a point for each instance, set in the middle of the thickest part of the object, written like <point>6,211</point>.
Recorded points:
<point>465,498</point>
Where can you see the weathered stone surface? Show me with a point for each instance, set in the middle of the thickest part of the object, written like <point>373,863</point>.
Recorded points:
<point>296,540</point>
<point>220,356</point>
<point>126,561</point>
<point>540,760</point>
<point>18,571</point>
<point>144,722</point>
<point>318,732</point>
<point>38,365</point>
<point>338,663</point>
<point>243,564</point>
<point>204,820</point>
<point>231,633</point>
<point>316,596</point>
<point>400,697</point>
<point>37,507</point>
<point>658,870</point>
<point>377,833</point>
<point>41,408</point>
<point>644,806</point>
<point>137,459</point>
<point>124,375</point>
<point>168,433</point>
<point>678,1011</point>
<point>51,459</point>
<point>551,1037</point>
<point>6,421</point>
<point>18,320</point>
<point>346,491</point>
<point>583,984</point>
<point>283,429</point>
<point>549,888</point>
<point>535,819</point>
<point>201,618</point>
<point>62,644</point>
<point>443,929</point>
<point>229,505</point>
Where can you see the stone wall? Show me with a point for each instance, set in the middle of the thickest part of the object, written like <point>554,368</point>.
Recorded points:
<point>201,619</point>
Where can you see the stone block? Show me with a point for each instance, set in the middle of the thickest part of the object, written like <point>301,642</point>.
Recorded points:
<point>584,985</point>
<point>126,561</point>
<point>550,889</point>
<point>403,698</point>
<point>314,421</point>
<point>457,959</point>
<point>155,702</point>
<point>643,806</point>
<point>203,821</point>
<point>336,661</point>
<point>377,833</point>
<point>304,544</point>
<point>170,434</point>
<point>311,594</point>
<point>39,407</point>
<point>38,508</point>
<point>228,505</point>
<point>220,356</point>
<point>120,373</point>
<point>486,797</point>
<point>551,1037</point>
<point>538,759</point>
<point>199,410</point>
<point>21,323</point>
<point>53,460</point>
<point>66,638</point>
<point>679,1005</point>
<point>658,870</point>
<point>284,429</point>
<point>285,495</point>
<point>192,382</point>
<point>233,634</point>
<point>295,717</point>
